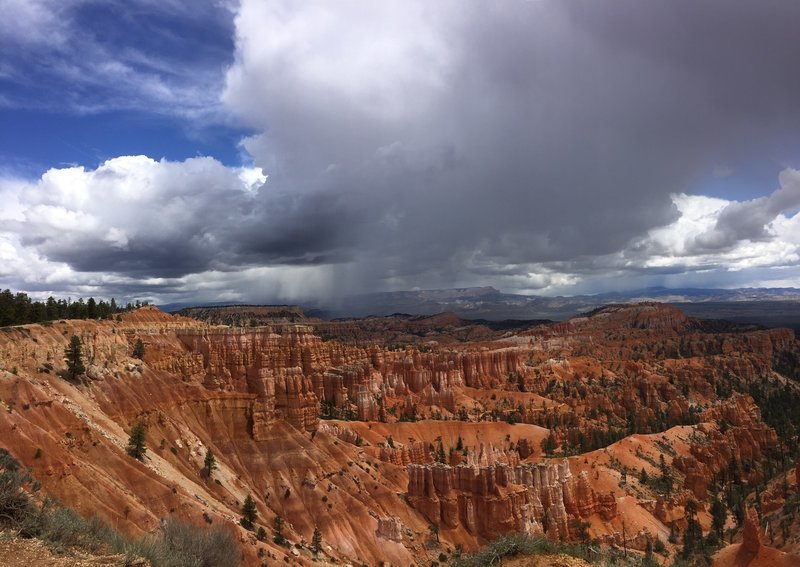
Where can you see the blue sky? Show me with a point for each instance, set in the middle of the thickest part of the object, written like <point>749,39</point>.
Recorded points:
<point>35,140</point>
<point>273,151</point>
<point>61,108</point>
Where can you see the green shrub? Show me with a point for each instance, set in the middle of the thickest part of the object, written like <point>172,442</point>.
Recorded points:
<point>178,544</point>
<point>15,504</point>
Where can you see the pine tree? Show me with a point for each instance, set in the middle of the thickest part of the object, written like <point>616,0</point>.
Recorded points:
<point>136,442</point>
<point>434,531</point>
<point>549,444</point>
<point>74,358</point>
<point>210,463</point>
<point>249,513</point>
<point>279,537</point>
<point>440,456</point>
<point>138,349</point>
<point>693,536</point>
<point>719,514</point>
<point>316,541</point>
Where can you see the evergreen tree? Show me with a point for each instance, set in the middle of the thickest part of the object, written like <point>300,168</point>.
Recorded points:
<point>434,530</point>
<point>718,516</point>
<point>91,308</point>
<point>51,309</point>
<point>659,546</point>
<point>136,442</point>
<point>549,444</point>
<point>138,349</point>
<point>693,536</point>
<point>666,475</point>
<point>210,463</point>
<point>316,541</point>
<point>279,538</point>
<point>440,456</point>
<point>249,513</point>
<point>74,358</point>
<point>19,309</point>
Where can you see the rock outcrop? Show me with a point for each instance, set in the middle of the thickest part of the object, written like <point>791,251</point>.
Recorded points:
<point>390,528</point>
<point>265,364</point>
<point>751,533</point>
<point>415,453</point>
<point>498,498</point>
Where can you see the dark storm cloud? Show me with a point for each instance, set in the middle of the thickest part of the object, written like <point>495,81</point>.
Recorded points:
<point>737,54</point>
<point>528,133</point>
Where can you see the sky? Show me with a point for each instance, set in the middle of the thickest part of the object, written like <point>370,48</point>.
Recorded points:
<point>269,150</point>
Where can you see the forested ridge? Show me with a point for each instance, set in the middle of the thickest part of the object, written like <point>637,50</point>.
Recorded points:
<point>19,309</point>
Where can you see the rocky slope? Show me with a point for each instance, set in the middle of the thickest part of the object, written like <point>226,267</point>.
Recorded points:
<point>398,455</point>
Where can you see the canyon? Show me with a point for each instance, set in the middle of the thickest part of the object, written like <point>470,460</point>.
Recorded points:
<point>402,440</point>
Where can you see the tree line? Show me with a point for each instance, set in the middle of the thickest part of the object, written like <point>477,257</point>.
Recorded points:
<point>19,309</point>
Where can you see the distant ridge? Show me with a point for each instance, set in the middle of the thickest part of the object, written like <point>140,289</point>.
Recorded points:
<point>771,307</point>
<point>767,306</point>
<point>246,315</point>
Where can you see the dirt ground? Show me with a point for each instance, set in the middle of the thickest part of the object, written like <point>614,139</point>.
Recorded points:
<point>558,560</point>
<point>17,552</point>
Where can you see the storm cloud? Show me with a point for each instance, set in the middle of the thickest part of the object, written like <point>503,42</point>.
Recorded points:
<point>534,146</point>
<point>472,141</point>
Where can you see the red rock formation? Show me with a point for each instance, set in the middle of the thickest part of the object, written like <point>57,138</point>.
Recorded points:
<point>416,453</point>
<point>390,528</point>
<point>751,533</point>
<point>524,448</point>
<point>495,499</point>
<point>265,364</point>
<point>746,440</point>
